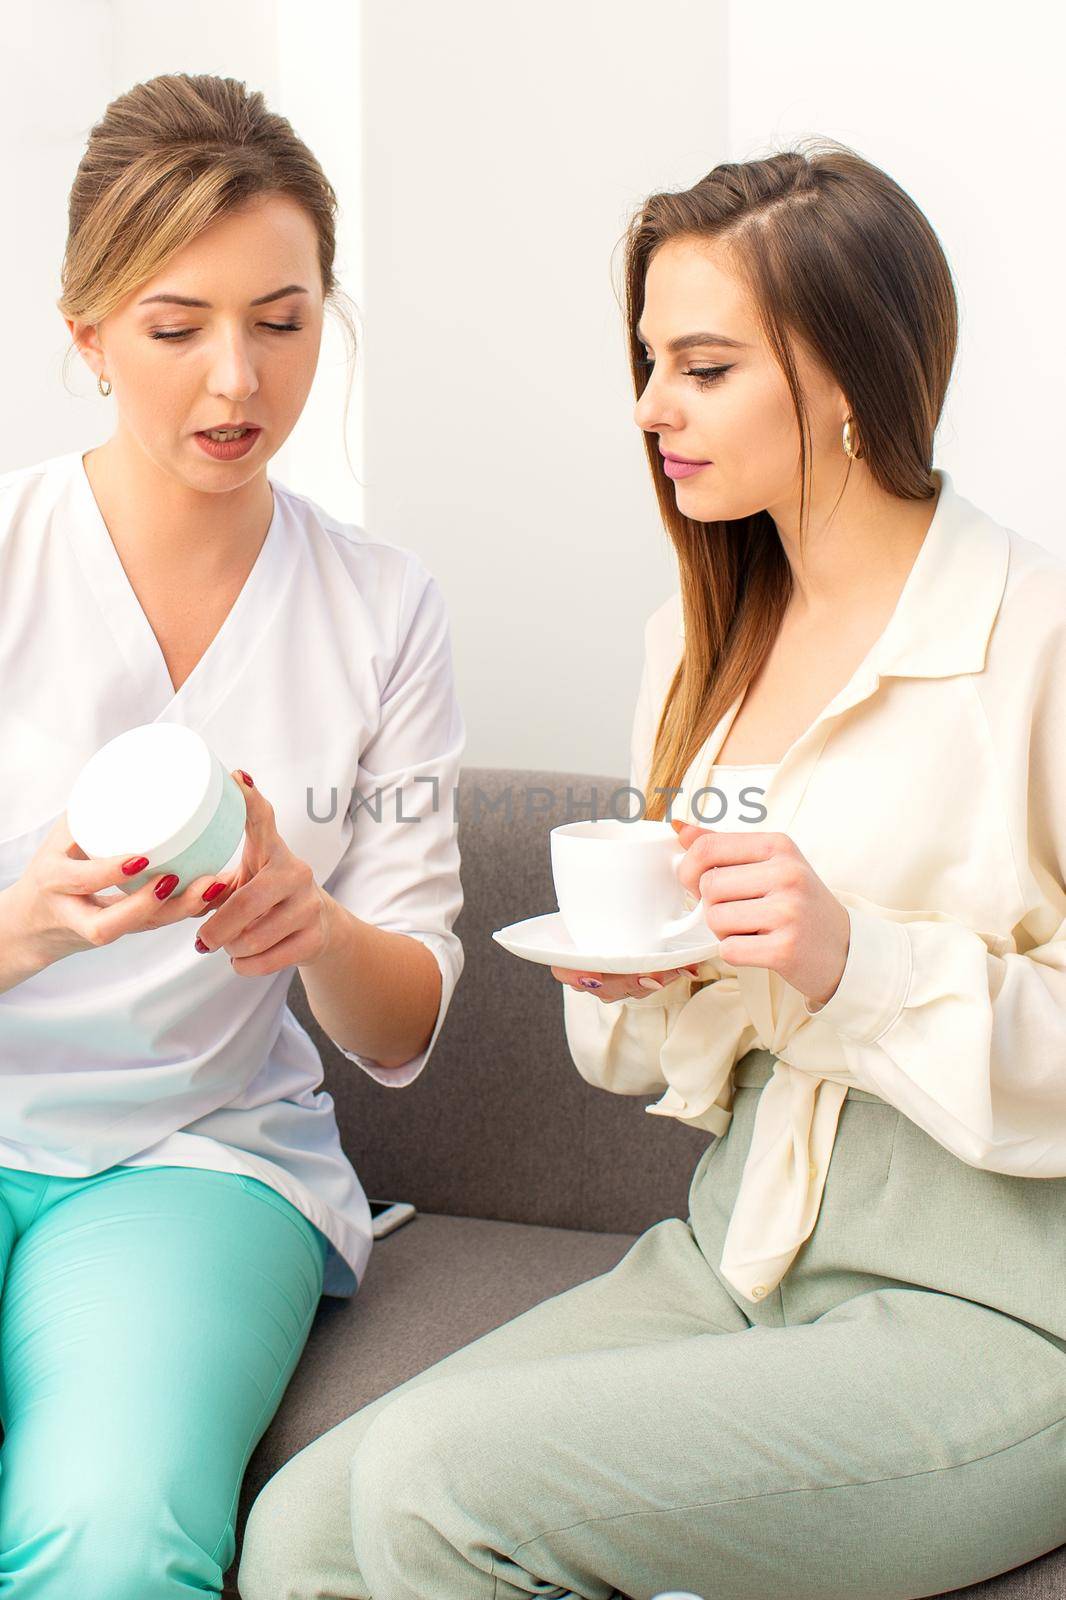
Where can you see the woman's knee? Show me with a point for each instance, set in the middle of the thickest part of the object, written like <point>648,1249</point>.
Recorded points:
<point>297,1541</point>
<point>279,1551</point>
<point>423,1479</point>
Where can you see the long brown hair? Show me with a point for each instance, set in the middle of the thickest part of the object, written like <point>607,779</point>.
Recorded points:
<point>168,158</point>
<point>833,250</point>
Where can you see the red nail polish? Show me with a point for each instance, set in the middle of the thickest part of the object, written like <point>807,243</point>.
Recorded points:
<point>136,865</point>
<point>212,890</point>
<point>246,778</point>
<point>203,948</point>
<point>165,886</point>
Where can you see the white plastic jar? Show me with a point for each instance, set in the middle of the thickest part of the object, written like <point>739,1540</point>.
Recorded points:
<point>159,791</point>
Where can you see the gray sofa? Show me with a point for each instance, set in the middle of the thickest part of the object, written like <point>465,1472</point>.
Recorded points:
<point>526,1179</point>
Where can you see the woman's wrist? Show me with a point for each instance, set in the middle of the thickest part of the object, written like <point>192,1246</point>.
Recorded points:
<point>22,954</point>
<point>373,991</point>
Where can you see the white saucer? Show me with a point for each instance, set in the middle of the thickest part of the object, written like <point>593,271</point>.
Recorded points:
<point>545,939</point>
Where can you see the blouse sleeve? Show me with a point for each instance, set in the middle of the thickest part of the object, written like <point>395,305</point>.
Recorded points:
<point>964,1032</point>
<point>400,870</point>
<point>618,1044</point>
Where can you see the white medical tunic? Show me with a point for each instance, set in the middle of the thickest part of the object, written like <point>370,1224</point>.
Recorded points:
<point>331,682</point>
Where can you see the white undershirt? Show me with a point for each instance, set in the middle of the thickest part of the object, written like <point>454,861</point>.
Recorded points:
<point>739,804</point>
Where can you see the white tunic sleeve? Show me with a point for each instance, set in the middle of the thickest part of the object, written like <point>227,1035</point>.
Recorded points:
<point>400,870</point>
<point>965,1032</point>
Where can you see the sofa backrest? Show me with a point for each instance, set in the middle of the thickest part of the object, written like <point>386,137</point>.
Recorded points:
<point>500,1124</point>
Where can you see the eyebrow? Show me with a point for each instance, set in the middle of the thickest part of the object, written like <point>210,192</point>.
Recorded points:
<point>184,300</point>
<point>688,341</point>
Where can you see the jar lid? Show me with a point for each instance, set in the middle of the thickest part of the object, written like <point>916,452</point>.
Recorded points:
<point>151,791</point>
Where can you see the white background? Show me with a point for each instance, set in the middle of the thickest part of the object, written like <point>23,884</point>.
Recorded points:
<point>487,158</point>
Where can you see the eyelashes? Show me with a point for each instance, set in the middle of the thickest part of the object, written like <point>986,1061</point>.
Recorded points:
<point>183,333</point>
<point>705,376</point>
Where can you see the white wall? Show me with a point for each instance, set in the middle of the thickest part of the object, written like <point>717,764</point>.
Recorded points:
<point>48,100</point>
<point>963,105</point>
<point>487,159</point>
<point>506,149</point>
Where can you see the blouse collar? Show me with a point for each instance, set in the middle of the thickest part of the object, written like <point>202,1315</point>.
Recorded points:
<point>943,618</point>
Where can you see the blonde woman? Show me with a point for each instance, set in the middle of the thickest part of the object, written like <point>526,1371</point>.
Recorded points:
<point>174,1198</point>
<point>844,1374</point>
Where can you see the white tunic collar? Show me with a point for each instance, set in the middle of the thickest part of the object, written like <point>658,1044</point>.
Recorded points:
<point>121,613</point>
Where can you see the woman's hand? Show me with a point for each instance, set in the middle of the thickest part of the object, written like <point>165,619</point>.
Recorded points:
<point>275,914</point>
<point>56,909</point>
<point>767,906</point>
<point>619,986</point>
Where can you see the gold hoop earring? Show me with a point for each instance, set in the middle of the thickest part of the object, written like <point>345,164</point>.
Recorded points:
<point>100,385</point>
<point>850,447</point>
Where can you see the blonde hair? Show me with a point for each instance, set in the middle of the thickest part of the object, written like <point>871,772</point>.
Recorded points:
<point>167,159</point>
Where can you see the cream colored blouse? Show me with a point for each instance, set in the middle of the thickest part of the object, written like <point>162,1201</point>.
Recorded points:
<point>930,796</point>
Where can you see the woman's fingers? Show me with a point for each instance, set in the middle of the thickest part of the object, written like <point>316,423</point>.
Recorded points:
<point>648,982</point>
<point>141,910</point>
<point>617,986</point>
<point>70,871</point>
<point>189,901</point>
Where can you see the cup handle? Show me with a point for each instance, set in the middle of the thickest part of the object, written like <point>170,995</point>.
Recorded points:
<point>691,920</point>
<point>686,924</point>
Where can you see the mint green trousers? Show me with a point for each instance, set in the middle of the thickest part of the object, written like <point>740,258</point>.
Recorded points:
<point>150,1320</point>
<point>889,1423</point>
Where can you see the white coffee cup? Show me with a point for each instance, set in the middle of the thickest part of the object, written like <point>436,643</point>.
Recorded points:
<point>617,887</point>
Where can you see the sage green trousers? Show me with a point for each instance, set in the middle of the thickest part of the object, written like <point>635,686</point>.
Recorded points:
<point>889,1423</point>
